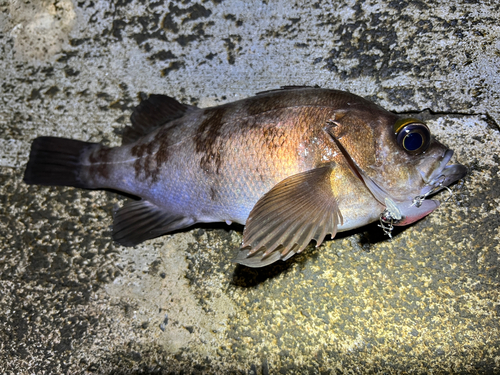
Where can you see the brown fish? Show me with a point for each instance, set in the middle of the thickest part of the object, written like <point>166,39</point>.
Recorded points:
<point>292,165</point>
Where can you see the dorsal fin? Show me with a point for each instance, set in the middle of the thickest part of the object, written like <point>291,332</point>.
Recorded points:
<point>152,113</point>
<point>285,88</point>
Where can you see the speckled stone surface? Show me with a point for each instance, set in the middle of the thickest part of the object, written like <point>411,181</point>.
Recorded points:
<point>72,301</point>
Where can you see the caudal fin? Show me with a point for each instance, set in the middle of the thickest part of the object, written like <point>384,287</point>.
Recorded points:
<point>56,162</point>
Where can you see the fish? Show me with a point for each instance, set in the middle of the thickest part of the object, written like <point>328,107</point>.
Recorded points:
<point>293,165</point>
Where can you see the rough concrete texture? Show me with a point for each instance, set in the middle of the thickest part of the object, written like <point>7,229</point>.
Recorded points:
<point>72,301</point>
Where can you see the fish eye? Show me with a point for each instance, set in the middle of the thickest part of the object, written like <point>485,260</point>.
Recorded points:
<point>412,135</point>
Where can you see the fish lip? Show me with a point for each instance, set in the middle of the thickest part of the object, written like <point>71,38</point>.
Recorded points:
<point>444,175</point>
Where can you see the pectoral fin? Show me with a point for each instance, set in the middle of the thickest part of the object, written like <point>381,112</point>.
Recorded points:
<point>141,220</point>
<point>297,210</point>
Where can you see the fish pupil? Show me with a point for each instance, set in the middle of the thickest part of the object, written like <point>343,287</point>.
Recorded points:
<point>413,141</point>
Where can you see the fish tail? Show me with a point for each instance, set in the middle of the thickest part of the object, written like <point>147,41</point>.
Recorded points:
<point>57,162</point>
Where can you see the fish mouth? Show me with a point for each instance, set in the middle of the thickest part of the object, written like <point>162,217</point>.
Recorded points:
<point>439,179</point>
<point>444,175</point>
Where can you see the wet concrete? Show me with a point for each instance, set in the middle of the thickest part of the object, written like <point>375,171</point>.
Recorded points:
<point>72,301</point>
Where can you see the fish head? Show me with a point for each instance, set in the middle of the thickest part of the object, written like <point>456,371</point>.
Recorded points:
<point>429,168</point>
<point>410,162</point>
<point>398,159</point>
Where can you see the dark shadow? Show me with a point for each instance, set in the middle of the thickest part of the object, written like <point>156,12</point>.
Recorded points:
<point>372,234</point>
<point>248,277</point>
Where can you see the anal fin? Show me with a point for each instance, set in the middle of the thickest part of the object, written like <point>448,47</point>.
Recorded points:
<point>297,210</point>
<point>141,220</point>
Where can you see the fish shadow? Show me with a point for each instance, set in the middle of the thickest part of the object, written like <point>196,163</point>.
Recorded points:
<point>248,277</point>
<point>372,234</point>
<point>368,236</point>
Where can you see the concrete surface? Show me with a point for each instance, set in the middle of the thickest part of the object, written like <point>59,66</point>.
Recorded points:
<point>72,301</point>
